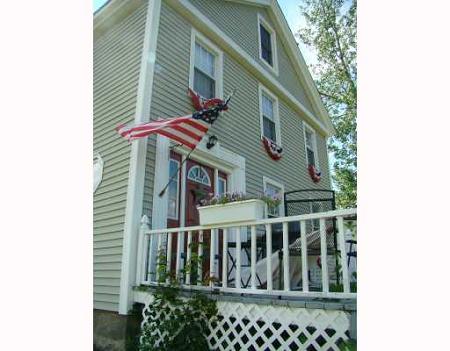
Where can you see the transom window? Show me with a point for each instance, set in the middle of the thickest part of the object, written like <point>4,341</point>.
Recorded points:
<point>310,146</point>
<point>206,67</point>
<point>200,175</point>
<point>269,116</point>
<point>173,190</point>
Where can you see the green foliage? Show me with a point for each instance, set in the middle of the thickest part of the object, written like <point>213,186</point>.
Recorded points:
<point>176,323</point>
<point>349,345</point>
<point>331,32</point>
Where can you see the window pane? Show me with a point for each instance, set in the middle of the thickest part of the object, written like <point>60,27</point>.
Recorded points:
<point>267,107</point>
<point>266,45</point>
<point>311,157</point>
<point>269,129</point>
<point>204,60</point>
<point>222,189</point>
<point>173,191</point>
<point>204,85</point>
<point>273,191</point>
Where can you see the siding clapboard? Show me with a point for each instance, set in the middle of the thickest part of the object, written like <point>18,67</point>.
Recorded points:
<point>241,122</point>
<point>240,23</point>
<point>117,58</point>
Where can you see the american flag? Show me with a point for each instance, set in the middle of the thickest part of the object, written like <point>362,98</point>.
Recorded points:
<point>185,130</point>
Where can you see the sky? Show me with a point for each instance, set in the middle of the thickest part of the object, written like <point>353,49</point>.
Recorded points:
<point>291,11</point>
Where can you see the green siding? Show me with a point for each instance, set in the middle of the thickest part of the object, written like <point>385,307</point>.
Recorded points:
<point>241,123</point>
<point>117,57</point>
<point>240,23</point>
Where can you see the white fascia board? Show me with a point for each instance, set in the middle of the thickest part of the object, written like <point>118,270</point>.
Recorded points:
<point>189,11</point>
<point>136,176</point>
<point>112,12</point>
<point>263,3</point>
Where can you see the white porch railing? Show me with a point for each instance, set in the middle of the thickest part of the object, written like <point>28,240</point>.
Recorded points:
<point>283,272</point>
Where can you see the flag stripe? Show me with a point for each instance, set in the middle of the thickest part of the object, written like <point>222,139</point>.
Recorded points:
<point>185,130</point>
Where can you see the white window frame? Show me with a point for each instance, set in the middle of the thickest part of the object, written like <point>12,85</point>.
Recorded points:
<point>197,37</point>
<point>306,126</point>
<point>276,114</point>
<point>267,180</point>
<point>273,39</point>
<point>177,208</point>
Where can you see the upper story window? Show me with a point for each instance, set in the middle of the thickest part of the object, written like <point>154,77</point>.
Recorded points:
<point>173,190</point>
<point>270,124</point>
<point>267,44</point>
<point>206,67</point>
<point>310,146</point>
<point>200,175</point>
<point>273,189</point>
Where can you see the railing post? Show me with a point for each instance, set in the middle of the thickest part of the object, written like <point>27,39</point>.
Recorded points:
<point>212,257</point>
<point>169,255</point>
<point>342,249</point>
<point>323,255</point>
<point>225,258</point>
<point>253,257</point>
<point>142,244</point>
<point>200,258</point>
<point>269,257</point>
<point>158,252</point>
<point>237,283</point>
<point>304,249</point>
<point>286,273</point>
<point>188,258</point>
<point>178,258</point>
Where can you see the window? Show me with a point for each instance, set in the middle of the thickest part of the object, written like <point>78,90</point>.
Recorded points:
<point>310,146</point>
<point>200,175</point>
<point>269,115</point>
<point>222,186</point>
<point>206,67</point>
<point>273,189</point>
<point>267,44</point>
<point>173,190</point>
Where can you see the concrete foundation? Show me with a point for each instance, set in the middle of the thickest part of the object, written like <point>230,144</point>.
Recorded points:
<point>114,332</point>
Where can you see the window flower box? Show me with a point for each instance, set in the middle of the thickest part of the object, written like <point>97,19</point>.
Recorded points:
<point>238,211</point>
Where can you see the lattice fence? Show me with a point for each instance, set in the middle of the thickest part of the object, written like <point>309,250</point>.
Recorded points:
<point>249,326</point>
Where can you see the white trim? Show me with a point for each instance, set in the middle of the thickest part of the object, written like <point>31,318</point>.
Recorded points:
<point>276,112</point>
<point>136,177</point>
<point>273,39</point>
<point>267,180</point>
<point>177,214</point>
<point>316,153</point>
<point>190,12</point>
<point>261,3</point>
<point>197,37</point>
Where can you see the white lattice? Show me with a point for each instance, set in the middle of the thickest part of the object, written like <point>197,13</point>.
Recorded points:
<point>249,326</point>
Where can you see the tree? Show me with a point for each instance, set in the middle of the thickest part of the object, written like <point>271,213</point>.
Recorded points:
<point>330,30</point>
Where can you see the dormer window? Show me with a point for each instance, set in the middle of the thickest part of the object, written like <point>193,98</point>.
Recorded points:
<point>267,44</point>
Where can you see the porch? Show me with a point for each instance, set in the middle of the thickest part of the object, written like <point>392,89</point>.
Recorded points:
<point>291,277</point>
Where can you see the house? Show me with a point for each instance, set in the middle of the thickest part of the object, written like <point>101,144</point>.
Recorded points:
<point>146,56</point>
